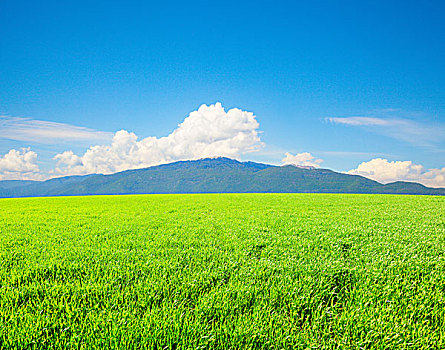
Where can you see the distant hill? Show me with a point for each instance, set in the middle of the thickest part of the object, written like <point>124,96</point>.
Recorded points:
<point>215,175</point>
<point>7,184</point>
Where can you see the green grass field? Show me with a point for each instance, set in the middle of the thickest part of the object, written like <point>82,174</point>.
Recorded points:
<point>250,271</point>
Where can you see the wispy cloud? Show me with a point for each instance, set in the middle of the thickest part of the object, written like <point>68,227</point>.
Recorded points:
<point>359,121</point>
<point>40,131</point>
<point>421,134</point>
<point>354,154</point>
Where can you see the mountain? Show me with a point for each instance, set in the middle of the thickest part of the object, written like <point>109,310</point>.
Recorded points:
<point>16,188</point>
<point>212,175</point>
<point>7,184</point>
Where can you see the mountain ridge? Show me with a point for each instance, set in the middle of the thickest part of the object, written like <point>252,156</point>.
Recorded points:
<point>212,175</point>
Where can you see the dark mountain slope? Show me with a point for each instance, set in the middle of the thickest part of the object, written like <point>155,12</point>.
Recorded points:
<point>400,187</point>
<point>8,184</point>
<point>41,188</point>
<point>293,179</point>
<point>201,176</point>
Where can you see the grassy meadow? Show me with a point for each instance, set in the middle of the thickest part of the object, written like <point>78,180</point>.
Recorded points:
<point>229,271</point>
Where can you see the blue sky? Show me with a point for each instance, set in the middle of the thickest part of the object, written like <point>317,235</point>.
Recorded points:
<point>345,81</point>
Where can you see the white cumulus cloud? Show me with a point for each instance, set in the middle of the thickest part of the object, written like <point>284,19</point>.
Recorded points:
<point>302,159</point>
<point>385,171</point>
<point>209,131</point>
<point>19,165</point>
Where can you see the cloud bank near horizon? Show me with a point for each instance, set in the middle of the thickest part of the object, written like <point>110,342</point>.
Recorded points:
<point>209,131</point>
<point>385,171</point>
